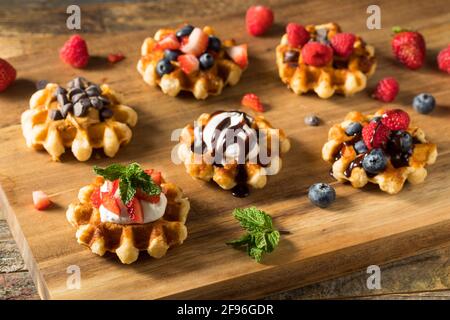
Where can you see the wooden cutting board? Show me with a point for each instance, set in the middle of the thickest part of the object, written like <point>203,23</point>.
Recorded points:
<point>361,228</point>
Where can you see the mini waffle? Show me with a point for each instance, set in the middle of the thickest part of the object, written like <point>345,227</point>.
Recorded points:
<point>127,240</point>
<point>201,83</point>
<point>231,175</point>
<point>341,76</point>
<point>340,151</point>
<point>44,126</point>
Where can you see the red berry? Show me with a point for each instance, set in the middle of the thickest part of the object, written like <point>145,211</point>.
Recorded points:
<point>443,60</point>
<point>342,44</point>
<point>188,63</point>
<point>251,100</point>
<point>41,200</point>
<point>258,20</point>
<point>386,89</point>
<point>115,57</point>
<point>7,74</point>
<point>96,199</point>
<point>409,48</point>
<point>297,35</point>
<point>375,135</point>
<point>75,52</point>
<point>170,41</point>
<point>135,210</point>
<point>239,55</point>
<point>197,42</point>
<point>396,119</point>
<point>317,54</point>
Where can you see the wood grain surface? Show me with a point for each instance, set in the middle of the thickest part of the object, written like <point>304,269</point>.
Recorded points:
<point>361,228</point>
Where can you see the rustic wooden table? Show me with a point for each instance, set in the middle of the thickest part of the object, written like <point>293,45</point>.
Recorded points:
<point>424,276</point>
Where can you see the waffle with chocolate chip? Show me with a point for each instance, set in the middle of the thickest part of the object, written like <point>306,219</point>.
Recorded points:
<point>127,240</point>
<point>347,153</point>
<point>344,76</point>
<point>83,117</point>
<point>192,62</point>
<point>240,163</point>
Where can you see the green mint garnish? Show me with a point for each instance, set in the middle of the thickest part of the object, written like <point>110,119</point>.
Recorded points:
<point>131,178</point>
<point>261,237</point>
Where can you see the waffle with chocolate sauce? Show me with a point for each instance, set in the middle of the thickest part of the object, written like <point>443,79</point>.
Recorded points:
<point>201,83</point>
<point>83,117</point>
<point>401,166</point>
<point>199,151</point>
<point>343,76</point>
<point>127,240</point>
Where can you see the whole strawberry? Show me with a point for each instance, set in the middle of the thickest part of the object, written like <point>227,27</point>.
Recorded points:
<point>386,89</point>
<point>395,119</point>
<point>409,48</point>
<point>443,59</point>
<point>7,74</point>
<point>342,44</point>
<point>258,20</point>
<point>375,135</point>
<point>75,52</point>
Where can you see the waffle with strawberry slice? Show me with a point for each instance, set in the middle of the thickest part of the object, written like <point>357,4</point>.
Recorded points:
<point>382,148</point>
<point>191,59</point>
<point>322,59</point>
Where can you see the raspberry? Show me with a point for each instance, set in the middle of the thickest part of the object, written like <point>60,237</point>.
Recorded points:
<point>317,54</point>
<point>375,135</point>
<point>75,52</point>
<point>386,89</point>
<point>443,59</point>
<point>342,44</point>
<point>251,100</point>
<point>258,20</point>
<point>297,35</point>
<point>7,74</point>
<point>395,119</point>
<point>408,48</point>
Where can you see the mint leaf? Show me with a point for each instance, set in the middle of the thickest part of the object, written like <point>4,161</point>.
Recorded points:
<point>272,240</point>
<point>256,253</point>
<point>253,219</point>
<point>127,190</point>
<point>245,239</point>
<point>113,172</point>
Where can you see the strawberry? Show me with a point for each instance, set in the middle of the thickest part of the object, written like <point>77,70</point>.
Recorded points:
<point>258,20</point>
<point>375,135</point>
<point>115,57</point>
<point>170,41</point>
<point>443,60</point>
<point>297,35</point>
<point>239,55</point>
<point>251,100</point>
<point>141,195</point>
<point>75,52</point>
<point>386,89</point>
<point>7,74</point>
<point>156,176</point>
<point>408,48</point>
<point>396,119</point>
<point>188,63</point>
<point>41,200</point>
<point>342,44</point>
<point>317,54</point>
<point>135,210</point>
<point>110,203</point>
<point>96,199</point>
<point>197,42</point>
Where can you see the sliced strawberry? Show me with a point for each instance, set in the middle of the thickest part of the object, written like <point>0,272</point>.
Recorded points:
<point>188,63</point>
<point>156,175</point>
<point>141,195</point>
<point>135,211</point>
<point>96,199</point>
<point>110,203</point>
<point>196,43</point>
<point>41,200</point>
<point>169,42</point>
<point>251,100</point>
<point>239,55</point>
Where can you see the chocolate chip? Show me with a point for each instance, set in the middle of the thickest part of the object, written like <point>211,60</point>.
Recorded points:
<point>55,115</point>
<point>79,83</point>
<point>74,91</point>
<point>41,84</point>
<point>65,109</point>
<point>80,109</point>
<point>61,90</point>
<point>96,103</point>
<point>62,99</point>
<point>93,90</point>
<point>291,56</point>
<point>312,120</point>
<point>106,113</point>
<point>322,35</point>
<point>76,97</point>
<point>105,101</point>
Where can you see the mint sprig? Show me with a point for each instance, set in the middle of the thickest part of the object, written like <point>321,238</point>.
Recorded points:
<point>131,178</point>
<point>261,236</point>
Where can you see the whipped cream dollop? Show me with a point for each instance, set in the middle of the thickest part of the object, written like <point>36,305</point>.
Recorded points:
<point>228,135</point>
<point>150,211</point>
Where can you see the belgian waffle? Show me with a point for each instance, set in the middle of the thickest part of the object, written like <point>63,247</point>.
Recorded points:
<point>341,76</point>
<point>48,125</point>
<point>346,164</point>
<point>127,240</point>
<point>201,83</point>
<point>233,174</point>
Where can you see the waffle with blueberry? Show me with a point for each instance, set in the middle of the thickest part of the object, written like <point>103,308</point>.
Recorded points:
<point>83,117</point>
<point>191,59</point>
<point>323,59</point>
<point>233,149</point>
<point>383,149</point>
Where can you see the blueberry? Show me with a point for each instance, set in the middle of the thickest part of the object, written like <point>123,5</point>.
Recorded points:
<point>185,31</point>
<point>375,161</point>
<point>353,128</point>
<point>214,44</point>
<point>171,55</point>
<point>360,147</point>
<point>321,194</point>
<point>206,61</point>
<point>424,103</point>
<point>164,67</point>
<point>312,120</point>
<point>406,141</point>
